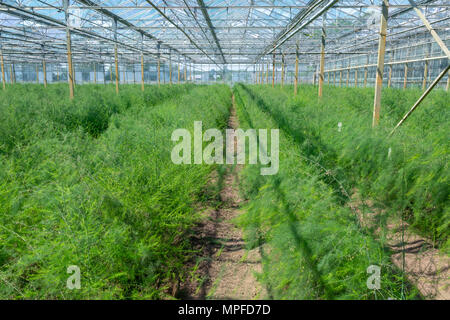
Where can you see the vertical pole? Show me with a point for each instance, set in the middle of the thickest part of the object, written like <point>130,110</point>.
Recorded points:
<point>425,75</point>
<point>262,72</point>
<point>267,73</point>
<point>405,76</point>
<point>159,65</point>
<point>322,57</point>
<point>11,74</point>
<point>103,72</point>
<point>95,73</point>
<point>142,70</point>
<point>142,62</point>
<point>116,62</point>
<point>14,73</point>
<point>340,78</point>
<point>390,69</point>
<point>356,77</point>
<point>185,70</point>
<point>282,69</point>
<point>3,70</point>
<point>273,70</point>
<point>69,49</point>
<point>296,70</point>
<point>425,69</point>
<point>366,71</point>
<point>380,63</point>
<point>170,66</point>
<point>334,78</point>
<point>178,69</point>
<point>44,70</point>
<point>348,78</point>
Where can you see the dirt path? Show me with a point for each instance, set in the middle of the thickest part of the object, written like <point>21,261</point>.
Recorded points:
<point>225,269</point>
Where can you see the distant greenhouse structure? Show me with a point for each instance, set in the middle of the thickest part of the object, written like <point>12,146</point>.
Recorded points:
<point>340,43</point>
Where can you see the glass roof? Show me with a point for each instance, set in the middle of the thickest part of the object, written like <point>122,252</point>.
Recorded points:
<point>207,32</point>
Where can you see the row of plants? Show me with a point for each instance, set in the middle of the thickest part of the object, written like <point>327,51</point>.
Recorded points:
<point>113,205</point>
<point>312,244</point>
<point>406,174</point>
<point>29,111</point>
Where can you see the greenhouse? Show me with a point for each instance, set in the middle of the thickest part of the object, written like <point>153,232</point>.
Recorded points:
<point>240,149</point>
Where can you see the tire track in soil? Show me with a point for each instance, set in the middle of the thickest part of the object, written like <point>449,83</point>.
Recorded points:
<point>225,268</point>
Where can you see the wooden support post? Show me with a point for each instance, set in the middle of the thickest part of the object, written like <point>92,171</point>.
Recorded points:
<point>405,77</point>
<point>365,77</point>
<point>423,96</point>
<point>340,78</point>
<point>170,67</point>
<point>356,78</point>
<point>142,70</point>
<point>116,61</point>
<point>44,70</point>
<point>178,69</point>
<point>273,70</point>
<point>3,70</point>
<point>296,71</point>
<point>334,78</point>
<point>95,73</point>
<point>390,69</point>
<point>104,73</point>
<point>159,72</point>
<point>425,75</point>
<point>116,67</point>
<point>366,71</point>
<point>69,50</point>
<point>258,74</point>
<point>11,74</point>
<point>322,57</point>
<point>262,73</point>
<point>380,63</point>
<point>348,78</point>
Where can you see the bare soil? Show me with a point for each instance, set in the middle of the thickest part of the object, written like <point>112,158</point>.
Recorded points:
<point>224,269</point>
